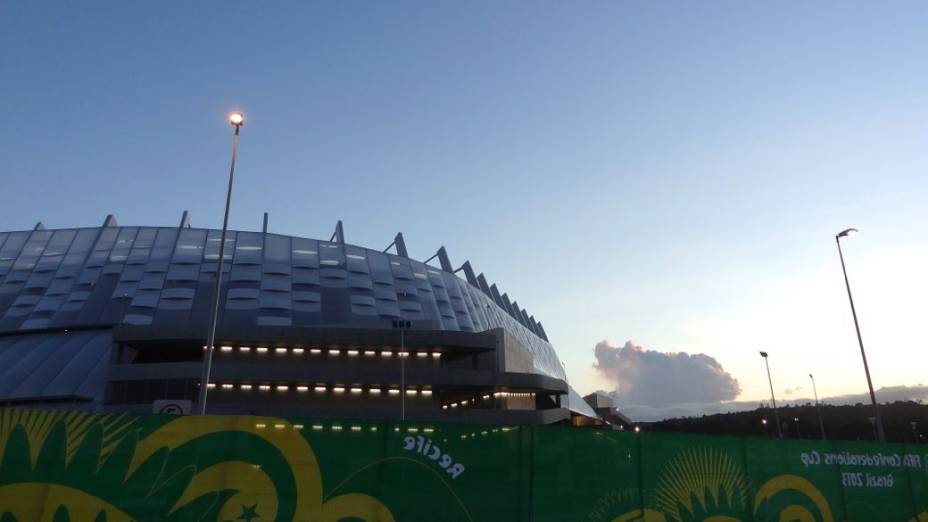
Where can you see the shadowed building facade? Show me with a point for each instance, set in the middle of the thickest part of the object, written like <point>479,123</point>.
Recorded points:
<point>114,318</point>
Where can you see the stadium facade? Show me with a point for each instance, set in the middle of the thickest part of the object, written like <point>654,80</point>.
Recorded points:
<point>114,318</point>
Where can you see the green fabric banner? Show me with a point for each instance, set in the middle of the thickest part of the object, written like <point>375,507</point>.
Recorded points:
<point>72,466</point>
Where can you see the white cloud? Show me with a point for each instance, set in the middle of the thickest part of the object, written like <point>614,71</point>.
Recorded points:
<point>650,378</point>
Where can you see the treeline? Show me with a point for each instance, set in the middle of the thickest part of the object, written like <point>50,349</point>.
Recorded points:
<point>903,421</point>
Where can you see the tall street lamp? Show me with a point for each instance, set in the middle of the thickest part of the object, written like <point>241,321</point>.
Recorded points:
<point>236,119</point>
<point>876,407</point>
<point>776,414</point>
<point>818,406</point>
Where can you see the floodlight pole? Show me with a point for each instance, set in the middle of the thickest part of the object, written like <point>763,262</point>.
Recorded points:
<point>236,120</point>
<point>776,414</point>
<point>881,435</point>
<point>818,406</point>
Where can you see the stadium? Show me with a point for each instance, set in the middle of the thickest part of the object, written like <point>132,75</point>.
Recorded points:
<point>115,319</point>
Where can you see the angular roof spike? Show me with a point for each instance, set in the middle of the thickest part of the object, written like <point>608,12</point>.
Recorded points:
<point>400,245</point>
<point>526,321</point>
<point>184,220</point>
<point>443,259</point>
<point>533,324</point>
<point>517,313</point>
<point>507,304</point>
<point>339,235</point>
<point>264,226</point>
<point>469,273</point>
<point>110,221</point>
<point>39,226</point>
<point>541,330</point>
<point>482,282</point>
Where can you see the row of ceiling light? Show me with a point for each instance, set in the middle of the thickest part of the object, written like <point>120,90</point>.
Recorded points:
<point>334,352</point>
<point>319,388</point>
<point>495,395</point>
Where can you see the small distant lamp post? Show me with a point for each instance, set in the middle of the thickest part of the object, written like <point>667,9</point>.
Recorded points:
<point>798,432</point>
<point>818,407</point>
<point>766,431</point>
<point>776,414</point>
<point>236,119</point>
<point>881,436</point>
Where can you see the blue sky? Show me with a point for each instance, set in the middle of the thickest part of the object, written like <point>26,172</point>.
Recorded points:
<point>672,172</point>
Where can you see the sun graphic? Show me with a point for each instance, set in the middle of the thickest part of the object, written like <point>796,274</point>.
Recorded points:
<point>63,467</point>
<point>701,482</point>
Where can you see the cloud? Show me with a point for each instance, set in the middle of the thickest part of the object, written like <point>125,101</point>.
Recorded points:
<point>653,379</point>
<point>689,409</point>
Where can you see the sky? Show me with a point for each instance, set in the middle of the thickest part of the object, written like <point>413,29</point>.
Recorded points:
<point>659,176</point>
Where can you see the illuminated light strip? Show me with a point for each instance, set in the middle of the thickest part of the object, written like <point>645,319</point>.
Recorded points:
<point>412,429</point>
<point>298,351</point>
<point>226,386</point>
<point>394,391</point>
<point>427,393</point>
<point>369,353</point>
<point>428,430</point>
<point>315,351</point>
<point>334,352</point>
<point>261,349</point>
<point>260,426</point>
<point>356,428</point>
<point>226,348</point>
<point>436,355</point>
<point>246,387</point>
<point>375,391</point>
<point>385,353</point>
<point>422,354</point>
<point>210,386</point>
<point>279,426</point>
<point>412,391</point>
<point>319,388</point>
<point>302,389</point>
<point>352,353</point>
<point>404,354</point>
<point>356,390</point>
<point>317,427</point>
<point>373,428</point>
<point>336,427</point>
<point>244,349</point>
<point>264,387</point>
<point>338,389</point>
<point>280,350</point>
<point>298,426</point>
<point>282,388</point>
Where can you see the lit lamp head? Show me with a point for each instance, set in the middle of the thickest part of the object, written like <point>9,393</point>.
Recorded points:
<point>237,119</point>
<point>848,232</point>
